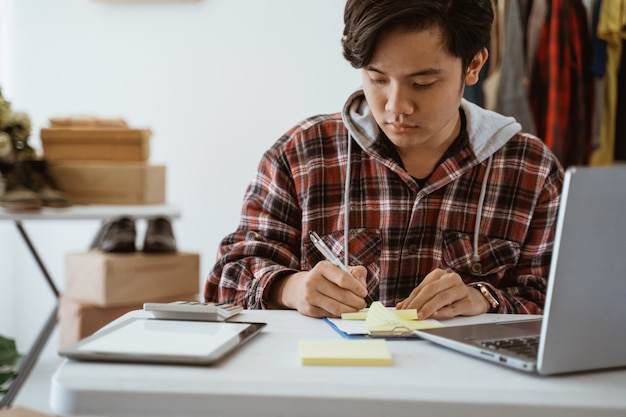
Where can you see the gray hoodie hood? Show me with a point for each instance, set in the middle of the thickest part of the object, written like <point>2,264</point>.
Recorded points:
<point>488,131</point>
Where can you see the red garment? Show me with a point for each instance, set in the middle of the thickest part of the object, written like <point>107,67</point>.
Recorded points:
<point>562,83</point>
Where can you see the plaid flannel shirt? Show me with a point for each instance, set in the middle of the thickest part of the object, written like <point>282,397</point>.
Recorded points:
<point>398,230</point>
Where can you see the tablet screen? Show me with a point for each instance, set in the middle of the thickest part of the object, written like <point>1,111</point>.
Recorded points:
<point>165,341</point>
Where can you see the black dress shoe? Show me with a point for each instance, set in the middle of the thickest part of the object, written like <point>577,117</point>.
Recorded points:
<point>159,236</point>
<point>104,228</point>
<point>43,184</point>
<point>118,236</point>
<point>15,192</point>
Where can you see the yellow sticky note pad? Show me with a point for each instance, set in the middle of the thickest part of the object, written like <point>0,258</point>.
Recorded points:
<point>342,352</point>
<point>410,314</point>
<point>380,319</point>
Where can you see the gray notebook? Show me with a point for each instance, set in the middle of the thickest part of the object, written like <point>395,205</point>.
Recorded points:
<point>584,322</point>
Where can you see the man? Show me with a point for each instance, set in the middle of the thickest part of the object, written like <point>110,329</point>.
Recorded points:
<point>441,206</point>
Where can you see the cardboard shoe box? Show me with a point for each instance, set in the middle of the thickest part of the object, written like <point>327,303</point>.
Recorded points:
<point>95,144</point>
<point>78,320</point>
<point>117,279</point>
<point>110,182</point>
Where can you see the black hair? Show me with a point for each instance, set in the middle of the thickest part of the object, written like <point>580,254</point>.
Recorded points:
<point>466,25</point>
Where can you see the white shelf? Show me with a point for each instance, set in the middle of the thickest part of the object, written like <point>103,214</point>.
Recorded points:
<point>93,212</point>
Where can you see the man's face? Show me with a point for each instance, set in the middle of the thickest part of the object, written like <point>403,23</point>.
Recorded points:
<point>414,88</point>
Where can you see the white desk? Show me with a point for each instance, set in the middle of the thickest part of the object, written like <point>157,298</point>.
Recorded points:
<point>76,212</point>
<point>265,378</point>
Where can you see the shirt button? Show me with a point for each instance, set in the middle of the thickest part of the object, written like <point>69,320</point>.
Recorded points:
<point>413,249</point>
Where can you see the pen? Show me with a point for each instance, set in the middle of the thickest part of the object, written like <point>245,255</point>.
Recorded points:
<point>330,256</point>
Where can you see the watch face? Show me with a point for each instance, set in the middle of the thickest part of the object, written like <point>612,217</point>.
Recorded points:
<point>487,294</point>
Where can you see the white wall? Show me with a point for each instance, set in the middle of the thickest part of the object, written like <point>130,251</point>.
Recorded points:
<point>218,81</point>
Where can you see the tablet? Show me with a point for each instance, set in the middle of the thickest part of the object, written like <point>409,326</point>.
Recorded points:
<point>151,340</point>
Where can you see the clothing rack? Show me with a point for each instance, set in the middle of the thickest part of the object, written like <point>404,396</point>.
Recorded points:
<point>540,71</point>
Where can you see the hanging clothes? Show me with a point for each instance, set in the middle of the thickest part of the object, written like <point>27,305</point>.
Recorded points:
<point>598,69</point>
<point>611,21</point>
<point>491,83</point>
<point>562,84</point>
<point>536,18</point>
<point>512,95</point>
<point>620,122</point>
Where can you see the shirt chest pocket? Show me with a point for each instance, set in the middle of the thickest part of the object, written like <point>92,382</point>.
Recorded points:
<point>496,255</point>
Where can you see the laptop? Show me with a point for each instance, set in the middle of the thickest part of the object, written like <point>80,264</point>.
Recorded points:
<point>583,327</point>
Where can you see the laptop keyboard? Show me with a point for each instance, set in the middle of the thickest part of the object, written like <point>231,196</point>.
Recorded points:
<point>524,346</point>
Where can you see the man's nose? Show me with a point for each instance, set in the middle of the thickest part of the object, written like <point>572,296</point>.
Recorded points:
<point>398,100</point>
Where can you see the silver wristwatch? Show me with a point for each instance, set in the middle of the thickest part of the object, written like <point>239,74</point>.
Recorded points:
<point>486,292</point>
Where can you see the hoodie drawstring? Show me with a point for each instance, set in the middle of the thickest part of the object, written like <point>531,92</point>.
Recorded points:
<point>346,200</point>
<point>477,267</point>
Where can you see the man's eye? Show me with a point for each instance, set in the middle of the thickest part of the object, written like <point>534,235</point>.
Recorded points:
<point>421,86</point>
<point>377,81</point>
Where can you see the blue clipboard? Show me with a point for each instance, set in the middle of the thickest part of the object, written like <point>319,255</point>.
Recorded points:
<point>396,334</point>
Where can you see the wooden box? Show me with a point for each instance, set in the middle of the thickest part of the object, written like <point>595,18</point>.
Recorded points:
<point>78,320</point>
<point>110,182</point>
<point>84,144</point>
<point>117,279</point>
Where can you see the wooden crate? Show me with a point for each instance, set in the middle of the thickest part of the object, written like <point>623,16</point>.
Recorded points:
<point>85,144</point>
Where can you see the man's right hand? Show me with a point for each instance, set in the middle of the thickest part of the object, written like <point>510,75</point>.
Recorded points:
<point>324,291</point>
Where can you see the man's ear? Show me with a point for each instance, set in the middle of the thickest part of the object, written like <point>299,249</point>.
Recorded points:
<point>471,76</point>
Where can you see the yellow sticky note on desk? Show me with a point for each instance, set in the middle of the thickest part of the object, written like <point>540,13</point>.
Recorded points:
<point>400,314</point>
<point>357,352</point>
<point>379,319</point>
